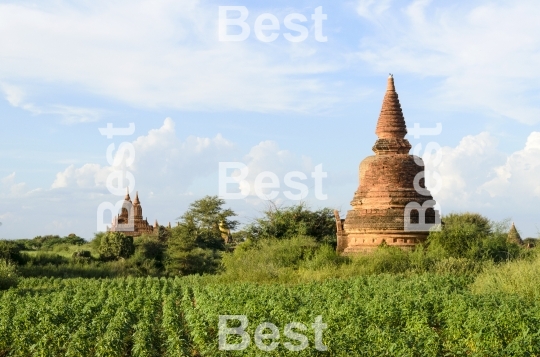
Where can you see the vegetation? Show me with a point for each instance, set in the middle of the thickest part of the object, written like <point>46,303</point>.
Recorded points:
<point>281,268</point>
<point>9,276</point>
<point>393,315</point>
<point>288,222</point>
<point>115,245</point>
<point>196,244</point>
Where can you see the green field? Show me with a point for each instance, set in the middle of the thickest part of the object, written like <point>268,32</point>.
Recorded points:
<point>381,315</point>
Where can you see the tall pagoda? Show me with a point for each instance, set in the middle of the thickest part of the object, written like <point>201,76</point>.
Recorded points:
<point>387,208</point>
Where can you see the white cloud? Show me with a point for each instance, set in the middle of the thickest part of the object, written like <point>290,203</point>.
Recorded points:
<point>156,53</point>
<point>11,188</point>
<point>520,176</point>
<point>87,176</point>
<point>485,54</point>
<point>160,157</point>
<point>476,176</point>
<point>464,169</point>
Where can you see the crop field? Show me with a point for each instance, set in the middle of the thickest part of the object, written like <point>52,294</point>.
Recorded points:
<point>422,315</point>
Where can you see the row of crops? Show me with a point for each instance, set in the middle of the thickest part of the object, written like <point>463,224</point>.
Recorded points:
<point>423,315</point>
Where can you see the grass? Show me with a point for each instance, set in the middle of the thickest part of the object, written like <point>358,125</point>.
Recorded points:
<point>520,277</point>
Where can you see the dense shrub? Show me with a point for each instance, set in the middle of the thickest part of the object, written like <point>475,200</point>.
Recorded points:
<point>49,241</point>
<point>268,259</point>
<point>10,251</point>
<point>116,245</point>
<point>288,222</point>
<point>8,274</point>
<point>45,258</point>
<point>472,236</point>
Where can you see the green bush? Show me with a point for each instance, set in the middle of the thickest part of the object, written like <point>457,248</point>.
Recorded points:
<point>288,222</point>
<point>472,236</point>
<point>8,275</point>
<point>11,252</point>
<point>116,245</point>
<point>268,259</point>
<point>45,258</point>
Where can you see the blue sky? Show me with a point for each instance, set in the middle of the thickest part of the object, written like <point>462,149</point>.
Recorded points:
<point>69,68</point>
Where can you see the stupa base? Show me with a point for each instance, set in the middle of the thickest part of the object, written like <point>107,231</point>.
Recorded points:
<point>366,243</point>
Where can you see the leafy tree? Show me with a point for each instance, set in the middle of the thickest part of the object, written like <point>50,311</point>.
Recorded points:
<point>207,213</point>
<point>194,245</point>
<point>116,245</point>
<point>297,220</point>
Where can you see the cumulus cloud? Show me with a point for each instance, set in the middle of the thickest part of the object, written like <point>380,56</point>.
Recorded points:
<point>86,176</point>
<point>160,157</point>
<point>519,176</point>
<point>10,187</point>
<point>477,176</point>
<point>484,54</point>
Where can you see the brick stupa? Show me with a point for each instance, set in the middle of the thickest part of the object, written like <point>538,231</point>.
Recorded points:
<point>386,188</point>
<point>513,235</point>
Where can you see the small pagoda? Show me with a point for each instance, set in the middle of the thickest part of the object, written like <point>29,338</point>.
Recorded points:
<point>514,236</point>
<point>387,209</point>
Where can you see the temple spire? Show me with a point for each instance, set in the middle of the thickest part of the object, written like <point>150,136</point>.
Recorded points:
<point>391,123</point>
<point>136,200</point>
<point>127,198</point>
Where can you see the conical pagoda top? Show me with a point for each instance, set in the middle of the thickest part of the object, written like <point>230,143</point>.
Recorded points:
<point>136,200</point>
<point>513,235</point>
<point>391,123</point>
<point>127,198</point>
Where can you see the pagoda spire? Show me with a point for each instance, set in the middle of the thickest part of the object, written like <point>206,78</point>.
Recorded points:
<point>391,128</point>
<point>136,200</point>
<point>391,123</point>
<point>127,198</point>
